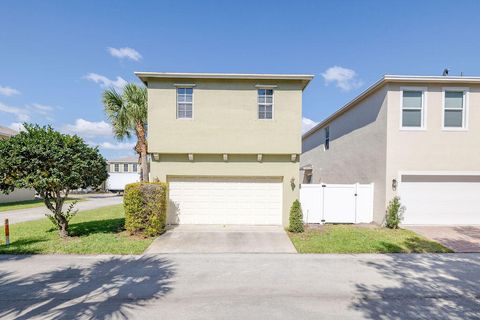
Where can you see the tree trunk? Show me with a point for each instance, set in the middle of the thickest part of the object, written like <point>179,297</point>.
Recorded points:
<point>63,228</point>
<point>56,207</point>
<point>141,149</point>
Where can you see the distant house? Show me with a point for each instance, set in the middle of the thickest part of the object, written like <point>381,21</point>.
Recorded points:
<point>19,194</point>
<point>5,133</point>
<point>121,172</point>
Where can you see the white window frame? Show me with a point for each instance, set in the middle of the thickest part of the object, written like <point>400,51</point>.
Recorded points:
<point>273,102</point>
<point>134,167</point>
<point>423,120</point>
<point>125,165</point>
<point>465,91</point>
<point>176,98</point>
<point>116,167</point>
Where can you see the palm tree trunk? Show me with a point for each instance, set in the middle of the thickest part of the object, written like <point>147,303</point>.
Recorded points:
<point>141,149</point>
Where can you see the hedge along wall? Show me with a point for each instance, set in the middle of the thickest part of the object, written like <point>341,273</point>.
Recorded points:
<point>145,208</point>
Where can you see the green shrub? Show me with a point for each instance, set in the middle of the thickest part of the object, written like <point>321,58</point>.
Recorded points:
<point>145,208</point>
<point>394,213</point>
<point>296,218</point>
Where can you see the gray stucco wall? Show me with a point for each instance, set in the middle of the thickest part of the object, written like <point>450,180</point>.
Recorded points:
<point>357,152</point>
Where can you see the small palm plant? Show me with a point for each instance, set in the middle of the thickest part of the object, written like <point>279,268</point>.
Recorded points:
<point>128,114</point>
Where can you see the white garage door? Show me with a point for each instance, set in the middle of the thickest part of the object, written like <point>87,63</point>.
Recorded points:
<point>440,199</point>
<point>256,201</point>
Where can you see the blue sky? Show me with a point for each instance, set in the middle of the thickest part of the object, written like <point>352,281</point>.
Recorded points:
<point>55,57</point>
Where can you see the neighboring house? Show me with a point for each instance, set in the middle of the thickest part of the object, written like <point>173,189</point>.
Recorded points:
<point>6,132</point>
<point>227,144</point>
<point>121,172</point>
<point>18,194</point>
<point>417,137</point>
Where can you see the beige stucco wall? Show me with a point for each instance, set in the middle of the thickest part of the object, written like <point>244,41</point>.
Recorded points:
<point>432,149</point>
<point>357,151</point>
<point>225,118</point>
<point>279,166</point>
<point>225,121</point>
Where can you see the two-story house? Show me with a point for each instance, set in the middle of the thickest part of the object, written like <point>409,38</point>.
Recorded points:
<point>417,137</point>
<point>122,171</point>
<point>227,144</point>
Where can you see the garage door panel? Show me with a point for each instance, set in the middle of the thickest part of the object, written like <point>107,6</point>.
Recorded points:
<point>226,200</point>
<point>446,203</point>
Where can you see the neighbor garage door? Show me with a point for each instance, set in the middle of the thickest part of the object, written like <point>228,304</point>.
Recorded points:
<point>256,201</point>
<point>440,199</point>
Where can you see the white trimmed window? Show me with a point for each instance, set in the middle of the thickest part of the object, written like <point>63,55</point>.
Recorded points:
<point>116,167</point>
<point>125,167</point>
<point>454,108</point>
<point>413,109</point>
<point>134,168</point>
<point>184,103</point>
<point>265,104</point>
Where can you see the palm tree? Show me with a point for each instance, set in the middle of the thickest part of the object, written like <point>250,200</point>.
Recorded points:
<point>128,114</point>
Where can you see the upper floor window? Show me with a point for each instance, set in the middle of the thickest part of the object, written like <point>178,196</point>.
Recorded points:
<point>116,167</point>
<point>184,103</point>
<point>413,109</point>
<point>125,167</point>
<point>327,138</point>
<point>454,109</point>
<point>134,167</point>
<point>265,104</point>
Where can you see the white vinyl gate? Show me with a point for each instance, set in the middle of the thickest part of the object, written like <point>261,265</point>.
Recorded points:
<point>337,203</point>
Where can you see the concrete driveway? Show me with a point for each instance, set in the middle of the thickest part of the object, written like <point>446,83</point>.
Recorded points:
<point>240,286</point>
<point>223,239</point>
<point>458,238</point>
<point>91,201</point>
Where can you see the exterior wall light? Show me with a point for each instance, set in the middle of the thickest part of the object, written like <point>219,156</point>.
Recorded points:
<point>394,184</point>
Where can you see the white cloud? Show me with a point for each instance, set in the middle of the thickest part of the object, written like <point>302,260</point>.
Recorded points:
<point>117,145</point>
<point>41,108</point>
<point>7,91</point>
<point>126,52</point>
<point>87,128</point>
<point>105,82</point>
<point>22,114</point>
<point>345,79</point>
<point>307,124</point>
<point>17,126</point>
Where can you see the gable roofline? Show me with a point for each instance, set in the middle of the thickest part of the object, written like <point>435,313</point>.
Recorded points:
<point>390,79</point>
<point>7,132</point>
<point>129,159</point>
<point>145,76</point>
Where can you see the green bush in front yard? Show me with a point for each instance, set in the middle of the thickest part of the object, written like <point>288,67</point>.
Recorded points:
<point>296,218</point>
<point>394,213</point>
<point>145,208</point>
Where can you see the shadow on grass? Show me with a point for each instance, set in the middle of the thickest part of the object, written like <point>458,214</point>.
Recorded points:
<point>413,245</point>
<point>97,226</point>
<point>108,288</point>
<point>22,246</point>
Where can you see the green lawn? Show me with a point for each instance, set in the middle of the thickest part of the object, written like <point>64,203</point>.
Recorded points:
<point>27,204</point>
<point>92,232</point>
<point>358,239</point>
